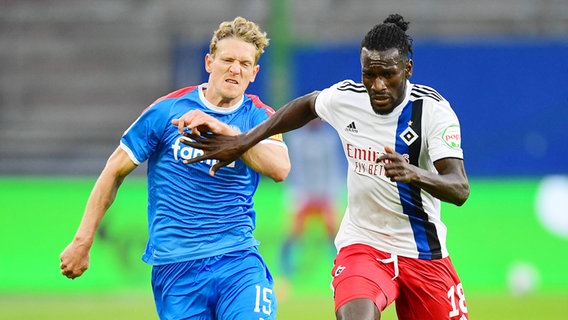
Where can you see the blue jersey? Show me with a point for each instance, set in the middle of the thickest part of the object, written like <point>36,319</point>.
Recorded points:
<point>192,215</point>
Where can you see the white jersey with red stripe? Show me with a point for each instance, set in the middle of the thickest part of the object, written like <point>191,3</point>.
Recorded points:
<point>393,217</point>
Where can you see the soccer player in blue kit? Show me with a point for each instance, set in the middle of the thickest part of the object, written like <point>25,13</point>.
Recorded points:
<point>402,142</point>
<point>206,262</point>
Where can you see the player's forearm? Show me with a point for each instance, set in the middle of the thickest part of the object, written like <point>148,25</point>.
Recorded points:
<point>292,115</point>
<point>103,194</point>
<point>451,188</point>
<point>100,200</point>
<point>268,159</point>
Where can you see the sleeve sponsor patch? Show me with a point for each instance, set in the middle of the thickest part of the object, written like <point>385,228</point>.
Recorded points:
<point>452,136</point>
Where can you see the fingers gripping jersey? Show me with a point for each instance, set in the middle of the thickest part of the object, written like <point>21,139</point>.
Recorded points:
<point>394,217</point>
<point>192,215</point>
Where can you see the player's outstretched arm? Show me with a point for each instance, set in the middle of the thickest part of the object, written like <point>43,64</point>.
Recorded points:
<point>75,257</point>
<point>227,149</point>
<point>267,159</point>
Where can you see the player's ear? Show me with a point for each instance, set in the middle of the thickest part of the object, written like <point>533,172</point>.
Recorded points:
<point>408,68</point>
<point>208,61</point>
<point>255,72</point>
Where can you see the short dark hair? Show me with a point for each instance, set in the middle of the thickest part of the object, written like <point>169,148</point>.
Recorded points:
<point>389,34</point>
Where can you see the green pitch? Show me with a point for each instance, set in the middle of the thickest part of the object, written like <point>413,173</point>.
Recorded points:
<point>511,265</point>
<point>121,307</point>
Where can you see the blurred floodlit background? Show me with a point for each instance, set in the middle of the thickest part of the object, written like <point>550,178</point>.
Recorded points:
<point>74,74</point>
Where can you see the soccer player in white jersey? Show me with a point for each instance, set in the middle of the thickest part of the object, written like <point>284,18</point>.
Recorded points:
<point>402,142</point>
<point>206,264</point>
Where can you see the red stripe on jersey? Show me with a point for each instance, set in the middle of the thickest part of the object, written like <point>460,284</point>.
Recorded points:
<point>259,104</point>
<point>176,94</point>
<point>269,111</point>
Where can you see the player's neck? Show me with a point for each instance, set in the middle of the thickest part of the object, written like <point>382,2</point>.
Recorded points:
<point>220,101</point>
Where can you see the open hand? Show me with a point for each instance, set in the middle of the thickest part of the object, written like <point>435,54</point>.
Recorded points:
<point>224,148</point>
<point>199,122</point>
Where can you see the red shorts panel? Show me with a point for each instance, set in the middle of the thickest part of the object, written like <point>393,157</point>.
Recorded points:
<point>430,290</point>
<point>423,289</point>
<point>358,274</point>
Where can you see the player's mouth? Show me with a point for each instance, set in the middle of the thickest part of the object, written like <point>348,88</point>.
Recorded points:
<point>380,100</point>
<point>232,81</point>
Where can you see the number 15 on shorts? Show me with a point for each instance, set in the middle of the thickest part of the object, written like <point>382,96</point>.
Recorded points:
<point>263,300</point>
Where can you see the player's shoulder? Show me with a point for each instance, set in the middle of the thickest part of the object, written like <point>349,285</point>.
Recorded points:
<point>349,86</point>
<point>178,94</point>
<point>434,105</point>
<point>173,96</point>
<point>258,104</point>
<point>344,91</point>
<point>427,93</point>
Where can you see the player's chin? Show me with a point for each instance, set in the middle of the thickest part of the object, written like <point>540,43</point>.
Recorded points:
<point>382,106</point>
<point>232,94</point>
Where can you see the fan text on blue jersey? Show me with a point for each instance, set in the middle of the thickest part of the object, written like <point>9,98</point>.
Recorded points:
<point>187,152</point>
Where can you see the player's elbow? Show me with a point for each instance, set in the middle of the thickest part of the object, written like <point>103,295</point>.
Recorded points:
<point>277,165</point>
<point>462,194</point>
<point>280,173</point>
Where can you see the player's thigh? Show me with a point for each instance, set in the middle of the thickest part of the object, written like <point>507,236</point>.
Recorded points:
<point>181,291</point>
<point>246,288</point>
<point>358,274</point>
<point>430,290</point>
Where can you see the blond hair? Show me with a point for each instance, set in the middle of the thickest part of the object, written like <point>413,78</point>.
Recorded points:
<point>242,29</point>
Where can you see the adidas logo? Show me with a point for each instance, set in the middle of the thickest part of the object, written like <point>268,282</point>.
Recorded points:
<point>351,127</point>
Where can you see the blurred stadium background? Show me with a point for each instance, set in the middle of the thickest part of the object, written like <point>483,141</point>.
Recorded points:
<point>74,74</point>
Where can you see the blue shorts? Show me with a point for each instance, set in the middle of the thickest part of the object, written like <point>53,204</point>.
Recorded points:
<point>232,286</point>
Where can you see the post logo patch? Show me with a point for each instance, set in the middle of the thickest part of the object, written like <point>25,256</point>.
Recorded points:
<point>452,136</point>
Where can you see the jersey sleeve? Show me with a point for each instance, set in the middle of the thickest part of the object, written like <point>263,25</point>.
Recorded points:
<point>262,113</point>
<point>141,139</point>
<point>444,133</point>
<point>323,103</point>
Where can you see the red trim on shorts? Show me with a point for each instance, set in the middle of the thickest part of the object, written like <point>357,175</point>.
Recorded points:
<point>358,274</point>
